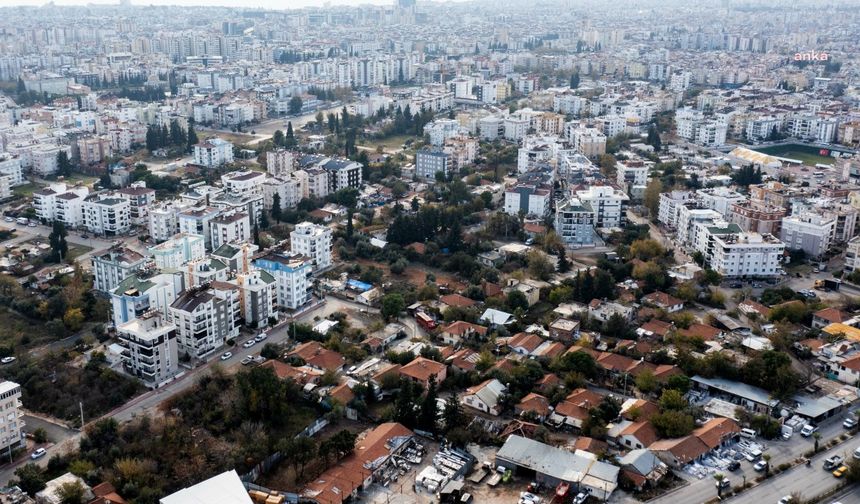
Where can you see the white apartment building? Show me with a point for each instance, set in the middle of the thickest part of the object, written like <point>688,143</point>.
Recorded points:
<point>142,292</point>
<point>608,204</point>
<point>196,221</point>
<point>440,130</point>
<point>151,350</point>
<point>164,220</point>
<point>5,187</point>
<point>11,418</point>
<point>232,228</point>
<point>574,223</point>
<point>44,158</point>
<point>761,128</point>
<point>670,206</point>
<point>589,142</point>
<point>281,162</point>
<point>203,321</point>
<point>213,153</point>
<point>528,199</point>
<point>720,199</point>
<point>812,233</point>
<point>516,128</point>
<point>695,126</point>
<point>689,216</point>
<point>11,166</point>
<point>61,203</point>
<point>256,296</point>
<point>568,103</point>
<point>633,178</point>
<point>852,255</point>
<point>289,191</point>
<point>178,250</point>
<point>293,277</point>
<point>114,266</point>
<point>244,183</point>
<point>313,241</point>
<point>109,216</point>
<point>733,253</point>
<point>140,199</point>
<point>529,156</point>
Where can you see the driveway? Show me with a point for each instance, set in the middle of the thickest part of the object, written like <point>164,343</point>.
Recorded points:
<point>56,433</point>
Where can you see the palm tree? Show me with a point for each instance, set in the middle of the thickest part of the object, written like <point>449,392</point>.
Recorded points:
<point>766,458</point>
<point>816,436</point>
<point>719,477</point>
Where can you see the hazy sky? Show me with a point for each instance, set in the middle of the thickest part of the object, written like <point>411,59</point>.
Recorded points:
<point>271,4</point>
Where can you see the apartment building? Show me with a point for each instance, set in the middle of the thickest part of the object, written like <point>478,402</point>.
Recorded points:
<point>632,176</point>
<point>44,158</point>
<point>293,277</point>
<point>213,153</point>
<point>608,204</point>
<point>756,218</point>
<point>429,162</point>
<point>144,291</point>
<point>670,206</point>
<point>204,322</point>
<point>281,162</point>
<point>107,215</point>
<point>61,203</point>
<point>574,223</point>
<point>528,199</point>
<point>589,142</point>
<point>719,199</point>
<point>289,192</point>
<point>243,183</point>
<point>732,252</point>
<point>812,233</point>
<point>232,228</point>
<point>695,126</point>
<point>440,130</point>
<point>93,149</point>
<point>140,199</point>
<point>197,221</point>
<point>11,418</point>
<point>114,266</point>
<point>178,250</point>
<point>151,348</point>
<point>313,241</point>
<point>852,255</point>
<point>256,297</point>
<point>164,220</point>
<point>11,166</point>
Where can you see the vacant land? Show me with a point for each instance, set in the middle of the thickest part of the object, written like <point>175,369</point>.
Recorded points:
<point>26,190</point>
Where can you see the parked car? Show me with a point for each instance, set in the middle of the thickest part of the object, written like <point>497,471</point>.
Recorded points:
<point>249,343</point>
<point>857,453</point>
<point>247,360</point>
<point>723,483</point>
<point>85,236</point>
<point>7,360</point>
<point>840,472</point>
<point>9,219</point>
<point>760,465</point>
<point>832,463</point>
<point>808,430</point>
<point>734,465</point>
<point>850,423</point>
<point>226,355</point>
<point>580,498</point>
<point>39,453</point>
<point>261,337</point>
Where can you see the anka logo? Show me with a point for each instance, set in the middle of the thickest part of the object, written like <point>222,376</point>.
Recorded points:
<point>811,56</point>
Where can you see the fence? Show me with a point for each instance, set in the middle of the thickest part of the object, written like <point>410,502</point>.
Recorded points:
<point>274,459</point>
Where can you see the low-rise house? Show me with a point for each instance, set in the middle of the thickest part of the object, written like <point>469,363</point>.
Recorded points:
<point>637,435</point>
<point>533,405</point>
<point>638,409</point>
<point>604,310</point>
<point>718,432</point>
<point>421,369</point>
<point>826,316</point>
<point>53,493</point>
<point>680,451</point>
<point>705,332</point>
<point>464,360</point>
<point>642,468</point>
<point>752,308</point>
<point>455,301</point>
<point>574,409</point>
<point>225,488</point>
<point>302,375</point>
<point>524,343</point>
<point>485,397</point>
<point>318,357</point>
<point>549,350</point>
<point>655,328</point>
<point>456,332</point>
<point>564,329</point>
<point>664,301</point>
<point>496,317</point>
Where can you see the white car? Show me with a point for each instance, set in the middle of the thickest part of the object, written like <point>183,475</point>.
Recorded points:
<point>9,219</point>
<point>7,360</point>
<point>261,337</point>
<point>32,224</point>
<point>580,498</point>
<point>226,355</point>
<point>39,453</point>
<point>786,500</point>
<point>249,343</point>
<point>760,465</point>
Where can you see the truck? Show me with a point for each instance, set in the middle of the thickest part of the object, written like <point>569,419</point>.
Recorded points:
<point>828,284</point>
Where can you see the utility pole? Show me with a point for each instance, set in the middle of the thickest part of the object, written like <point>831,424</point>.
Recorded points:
<point>81,405</point>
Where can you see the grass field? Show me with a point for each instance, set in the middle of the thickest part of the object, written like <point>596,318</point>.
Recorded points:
<point>26,190</point>
<point>807,155</point>
<point>390,143</point>
<point>76,251</point>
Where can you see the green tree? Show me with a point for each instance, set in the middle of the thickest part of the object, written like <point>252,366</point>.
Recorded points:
<point>64,164</point>
<point>540,266</point>
<point>646,382</point>
<point>429,413</point>
<point>276,208</point>
<point>392,305</point>
<point>652,196</point>
<point>673,424</point>
<point>299,451</point>
<point>574,80</point>
<point>71,492</point>
<point>517,300</point>
<point>672,399</point>
<point>654,138</point>
<point>57,240</point>
<point>191,136</point>
<point>290,141</point>
<point>278,138</point>
<point>452,414</point>
<point>31,478</point>
<point>295,105</point>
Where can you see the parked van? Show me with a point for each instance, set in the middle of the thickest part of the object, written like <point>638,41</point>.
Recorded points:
<point>748,433</point>
<point>23,220</point>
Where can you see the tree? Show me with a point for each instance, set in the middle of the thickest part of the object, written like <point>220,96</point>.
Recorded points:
<point>574,80</point>
<point>256,234</point>
<point>654,138</point>
<point>646,382</point>
<point>276,208</point>
<point>392,305</point>
<point>563,263</point>
<point>74,319</point>
<point>57,240</point>
<point>672,399</point>
<point>766,458</point>
<point>452,414</point>
<point>817,437</point>
<point>517,300</point>
<point>652,196</point>
<point>540,266</point>
<point>719,477</point>
<point>64,164</point>
<point>429,412</point>
<point>299,451</point>
<point>290,141</point>
<point>673,424</point>
<point>295,105</point>
<point>278,138</point>
<point>192,136</point>
<point>40,436</point>
<point>71,492</point>
<point>31,478</point>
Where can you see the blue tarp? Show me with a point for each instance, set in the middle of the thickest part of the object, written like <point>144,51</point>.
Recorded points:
<point>359,286</point>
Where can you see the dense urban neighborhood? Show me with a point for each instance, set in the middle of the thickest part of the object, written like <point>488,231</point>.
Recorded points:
<point>409,252</point>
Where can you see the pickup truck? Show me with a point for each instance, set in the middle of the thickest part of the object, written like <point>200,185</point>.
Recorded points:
<point>832,463</point>
<point>808,430</point>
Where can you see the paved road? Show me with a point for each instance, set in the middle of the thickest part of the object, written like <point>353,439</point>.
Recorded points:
<point>56,433</point>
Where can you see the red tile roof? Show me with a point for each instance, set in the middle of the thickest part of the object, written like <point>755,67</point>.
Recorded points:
<point>422,369</point>
<point>535,403</point>
<point>661,299</point>
<point>457,300</point>
<point>715,430</point>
